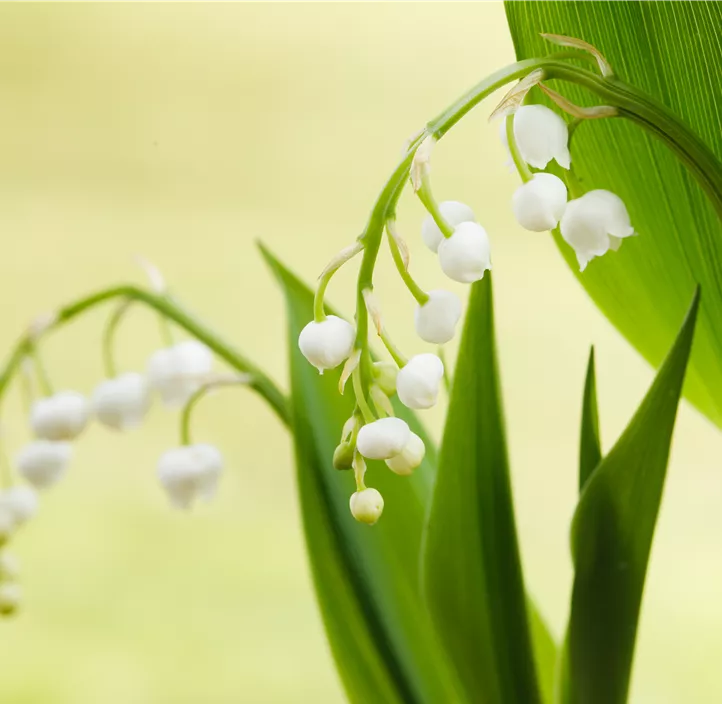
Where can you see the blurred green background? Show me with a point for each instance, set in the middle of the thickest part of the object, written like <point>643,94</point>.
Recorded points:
<point>186,132</point>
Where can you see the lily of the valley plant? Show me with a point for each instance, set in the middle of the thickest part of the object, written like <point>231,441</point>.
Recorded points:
<point>430,604</point>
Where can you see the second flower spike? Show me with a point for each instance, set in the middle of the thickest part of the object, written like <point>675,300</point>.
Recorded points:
<point>177,372</point>
<point>122,403</point>
<point>62,416</point>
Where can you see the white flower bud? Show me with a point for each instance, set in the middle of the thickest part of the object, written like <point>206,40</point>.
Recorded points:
<point>190,472</point>
<point>454,213</point>
<point>541,135</point>
<point>539,204</point>
<point>383,438</point>
<point>177,372</point>
<point>61,416</point>
<point>594,224</point>
<point>409,458</point>
<point>466,255</point>
<point>122,403</point>
<point>436,320</point>
<point>328,343</point>
<point>419,379</point>
<point>9,567</point>
<point>367,506</point>
<point>43,462</point>
<point>10,596</point>
<point>21,502</point>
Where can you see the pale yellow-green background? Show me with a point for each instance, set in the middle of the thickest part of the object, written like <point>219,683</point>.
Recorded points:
<point>187,132</point>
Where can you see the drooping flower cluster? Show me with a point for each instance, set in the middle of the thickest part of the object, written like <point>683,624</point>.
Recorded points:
<point>591,223</point>
<point>187,473</point>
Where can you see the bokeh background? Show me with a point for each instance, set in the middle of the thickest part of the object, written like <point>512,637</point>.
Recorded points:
<point>187,132</point>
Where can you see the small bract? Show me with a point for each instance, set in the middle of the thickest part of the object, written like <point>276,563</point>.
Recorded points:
<point>190,472</point>
<point>121,403</point>
<point>539,204</point>
<point>328,343</point>
<point>419,380</point>
<point>367,506</point>
<point>454,213</point>
<point>466,255</point>
<point>594,224</point>
<point>541,135</point>
<point>62,416</point>
<point>177,372</point>
<point>436,320</point>
<point>43,462</point>
<point>410,457</point>
<point>383,438</point>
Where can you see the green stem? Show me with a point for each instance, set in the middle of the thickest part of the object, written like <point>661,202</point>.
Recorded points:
<point>416,291</point>
<point>172,310</point>
<point>521,166</point>
<point>108,343</point>
<point>427,198</point>
<point>392,349</point>
<point>361,401</point>
<point>46,386</point>
<point>319,314</point>
<point>185,422</point>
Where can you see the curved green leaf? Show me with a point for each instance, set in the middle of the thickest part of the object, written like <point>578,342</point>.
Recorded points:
<point>612,535</point>
<point>590,446</point>
<point>473,577</point>
<point>366,578</point>
<point>672,51</point>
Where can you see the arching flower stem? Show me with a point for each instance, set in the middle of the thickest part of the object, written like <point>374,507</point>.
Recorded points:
<point>202,392</point>
<point>172,310</point>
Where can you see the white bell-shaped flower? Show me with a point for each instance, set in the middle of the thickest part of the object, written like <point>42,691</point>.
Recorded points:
<point>328,343</point>
<point>21,502</point>
<point>367,506</point>
<point>418,382</point>
<point>62,416</point>
<point>436,320</point>
<point>409,458</point>
<point>383,439</point>
<point>541,135</point>
<point>177,372</point>
<point>539,204</point>
<point>43,462</point>
<point>594,224</point>
<point>454,213</point>
<point>10,597</point>
<point>121,403</point>
<point>190,472</point>
<point>466,255</point>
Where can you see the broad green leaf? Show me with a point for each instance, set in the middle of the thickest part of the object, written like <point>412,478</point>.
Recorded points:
<point>590,447</point>
<point>366,578</point>
<point>473,576</point>
<point>672,51</point>
<point>612,535</point>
